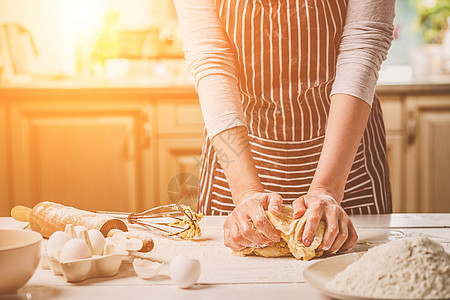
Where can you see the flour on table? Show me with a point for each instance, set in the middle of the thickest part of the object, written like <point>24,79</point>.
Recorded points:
<point>409,268</point>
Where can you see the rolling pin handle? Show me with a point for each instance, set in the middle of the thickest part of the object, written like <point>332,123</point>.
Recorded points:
<point>21,213</point>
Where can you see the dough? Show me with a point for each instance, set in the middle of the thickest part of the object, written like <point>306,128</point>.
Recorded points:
<point>291,232</point>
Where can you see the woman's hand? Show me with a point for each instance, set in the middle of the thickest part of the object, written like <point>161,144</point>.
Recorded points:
<point>248,225</point>
<point>340,235</point>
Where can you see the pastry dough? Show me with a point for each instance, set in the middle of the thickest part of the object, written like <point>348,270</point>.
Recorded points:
<point>291,232</point>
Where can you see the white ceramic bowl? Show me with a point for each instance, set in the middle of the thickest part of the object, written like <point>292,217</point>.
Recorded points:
<point>20,252</point>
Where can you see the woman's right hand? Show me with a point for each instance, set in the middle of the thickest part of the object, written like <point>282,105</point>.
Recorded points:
<point>248,225</point>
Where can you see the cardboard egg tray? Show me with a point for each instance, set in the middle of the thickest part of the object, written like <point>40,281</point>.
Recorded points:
<point>81,269</point>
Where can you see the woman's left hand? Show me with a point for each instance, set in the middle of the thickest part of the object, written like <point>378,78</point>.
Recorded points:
<point>340,234</point>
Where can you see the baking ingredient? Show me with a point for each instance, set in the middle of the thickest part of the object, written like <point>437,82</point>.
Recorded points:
<point>184,271</point>
<point>117,243</point>
<point>146,269</point>
<point>130,241</point>
<point>97,241</point>
<point>409,268</point>
<point>55,243</point>
<point>114,246</point>
<point>74,249</point>
<point>133,244</point>
<point>145,237</point>
<point>291,243</point>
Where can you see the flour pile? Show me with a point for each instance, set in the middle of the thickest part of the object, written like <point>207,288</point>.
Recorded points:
<point>410,268</point>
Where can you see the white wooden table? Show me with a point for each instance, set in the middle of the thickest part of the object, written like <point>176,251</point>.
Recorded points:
<point>224,275</point>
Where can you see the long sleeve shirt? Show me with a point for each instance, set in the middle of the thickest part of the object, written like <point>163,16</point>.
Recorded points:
<point>365,40</point>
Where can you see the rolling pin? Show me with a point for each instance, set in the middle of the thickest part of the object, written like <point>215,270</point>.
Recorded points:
<point>48,217</point>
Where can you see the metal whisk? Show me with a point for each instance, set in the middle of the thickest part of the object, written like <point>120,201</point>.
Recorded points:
<point>184,221</point>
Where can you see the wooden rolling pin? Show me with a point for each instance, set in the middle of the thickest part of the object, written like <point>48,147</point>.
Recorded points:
<point>48,217</point>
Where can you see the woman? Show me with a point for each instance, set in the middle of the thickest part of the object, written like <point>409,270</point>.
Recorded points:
<point>287,94</point>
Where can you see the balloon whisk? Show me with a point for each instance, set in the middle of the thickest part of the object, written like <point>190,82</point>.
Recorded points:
<point>170,220</point>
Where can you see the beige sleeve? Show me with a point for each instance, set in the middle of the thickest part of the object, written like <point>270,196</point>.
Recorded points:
<point>210,59</point>
<point>366,38</point>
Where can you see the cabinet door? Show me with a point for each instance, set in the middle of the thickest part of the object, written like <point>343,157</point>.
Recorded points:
<point>395,154</point>
<point>5,200</point>
<point>85,154</point>
<point>427,157</point>
<point>180,138</point>
<point>179,170</point>
<point>393,119</point>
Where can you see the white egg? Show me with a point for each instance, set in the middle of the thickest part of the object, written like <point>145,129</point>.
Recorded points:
<point>74,249</point>
<point>146,269</point>
<point>79,229</point>
<point>55,243</point>
<point>97,241</point>
<point>184,271</point>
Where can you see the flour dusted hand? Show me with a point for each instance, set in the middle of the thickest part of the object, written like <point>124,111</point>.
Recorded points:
<point>291,238</point>
<point>248,225</point>
<point>410,268</point>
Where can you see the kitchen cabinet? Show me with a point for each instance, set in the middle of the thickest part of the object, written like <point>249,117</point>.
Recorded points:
<point>180,139</point>
<point>115,149</point>
<point>4,165</point>
<point>392,107</point>
<point>427,153</point>
<point>132,148</point>
<point>93,153</point>
<point>418,133</point>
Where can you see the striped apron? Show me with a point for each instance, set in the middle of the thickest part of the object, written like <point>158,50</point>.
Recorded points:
<point>286,52</point>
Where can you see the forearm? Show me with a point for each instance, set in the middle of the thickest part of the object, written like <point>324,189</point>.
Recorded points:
<point>346,124</point>
<point>233,151</point>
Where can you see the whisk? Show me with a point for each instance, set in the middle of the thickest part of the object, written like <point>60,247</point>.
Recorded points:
<point>184,221</point>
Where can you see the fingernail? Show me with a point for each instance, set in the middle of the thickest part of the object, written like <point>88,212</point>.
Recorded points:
<point>307,242</point>
<point>325,248</point>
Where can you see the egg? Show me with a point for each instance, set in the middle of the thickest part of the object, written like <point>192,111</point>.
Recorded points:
<point>146,269</point>
<point>56,242</point>
<point>74,249</point>
<point>184,271</point>
<point>97,241</point>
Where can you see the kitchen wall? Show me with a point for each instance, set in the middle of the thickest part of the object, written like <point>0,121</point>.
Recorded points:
<point>58,26</point>
<point>407,34</point>
<point>42,18</point>
<point>55,31</point>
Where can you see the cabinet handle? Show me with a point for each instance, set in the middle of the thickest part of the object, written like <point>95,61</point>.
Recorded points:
<point>411,128</point>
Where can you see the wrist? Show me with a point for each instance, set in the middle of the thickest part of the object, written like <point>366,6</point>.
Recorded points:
<point>246,194</point>
<point>322,192</point>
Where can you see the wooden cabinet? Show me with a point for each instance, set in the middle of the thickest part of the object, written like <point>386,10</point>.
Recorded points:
<point>392,107</point>
<point>5,200</point>
<point>418,148</point>
<point>427,154</point>
<point>180,138</point>
<point>126,149</point>
<point>90,151</point>
<point>99,149</point>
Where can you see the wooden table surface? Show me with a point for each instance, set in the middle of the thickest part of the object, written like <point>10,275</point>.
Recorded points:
<point>224,275</point>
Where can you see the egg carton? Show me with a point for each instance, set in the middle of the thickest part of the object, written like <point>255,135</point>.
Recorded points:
<point>82,269</point>
<point>97,260</point>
